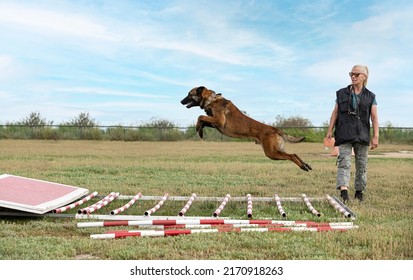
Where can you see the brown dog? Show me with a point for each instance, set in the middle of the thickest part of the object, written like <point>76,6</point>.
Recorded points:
<point>230,121</point>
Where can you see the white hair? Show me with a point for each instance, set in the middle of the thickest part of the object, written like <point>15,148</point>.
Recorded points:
<point>365,71</point>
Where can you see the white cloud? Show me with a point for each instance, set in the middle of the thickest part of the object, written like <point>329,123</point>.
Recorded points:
<point>48,20</point>
<point>312,12</point>
<point>381,41</point>
<point>218,39</point>
<point>9,68</point>
<point>5,94</point>
<point>6,62</point>
<point>105,91</point>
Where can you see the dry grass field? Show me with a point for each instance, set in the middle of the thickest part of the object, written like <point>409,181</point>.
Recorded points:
<point>210,169</point>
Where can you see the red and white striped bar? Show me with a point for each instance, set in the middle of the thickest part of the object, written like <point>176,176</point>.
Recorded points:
<point>157,206</point>
<point>249,206</point>
<point>187,205</point>
<point>75,204</point>
<point>83,210</point>
<point>129,217</point>
<point>100,201</point>
<point>101,205</point>
<point>221,207</point>
<point>105,201</point>
<point>338,207</point>
<point>279,207</point>
<point>163,227</point>
<point>127,205</point>
<point>310,207</point>
<point>208,222</point>
<point>159,233</point>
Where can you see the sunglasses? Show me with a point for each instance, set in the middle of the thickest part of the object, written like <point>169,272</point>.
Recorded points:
<point>351,74</point>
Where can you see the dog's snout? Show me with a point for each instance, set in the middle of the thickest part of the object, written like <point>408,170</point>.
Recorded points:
<point>184,101</point>
<point>192,99</point>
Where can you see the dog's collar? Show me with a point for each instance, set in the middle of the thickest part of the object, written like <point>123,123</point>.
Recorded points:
<point>208,101</point>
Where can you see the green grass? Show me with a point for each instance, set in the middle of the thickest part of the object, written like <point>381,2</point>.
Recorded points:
<point>208,169</point>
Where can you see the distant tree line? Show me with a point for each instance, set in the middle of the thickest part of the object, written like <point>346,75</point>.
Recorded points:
<point>84,127</point>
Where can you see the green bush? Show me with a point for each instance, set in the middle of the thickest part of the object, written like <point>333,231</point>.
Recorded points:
<point>117,133</point>
<point>388,135</point>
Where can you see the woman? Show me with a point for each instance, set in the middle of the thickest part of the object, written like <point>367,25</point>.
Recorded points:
<point>350,119</point>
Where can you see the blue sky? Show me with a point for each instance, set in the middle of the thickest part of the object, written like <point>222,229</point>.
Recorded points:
<point>128,62</point>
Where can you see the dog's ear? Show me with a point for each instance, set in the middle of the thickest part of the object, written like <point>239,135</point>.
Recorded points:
<point>207,93</point>
<point>199,90</point>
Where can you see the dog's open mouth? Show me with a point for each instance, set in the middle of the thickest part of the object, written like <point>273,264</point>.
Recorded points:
<point>188,103</point>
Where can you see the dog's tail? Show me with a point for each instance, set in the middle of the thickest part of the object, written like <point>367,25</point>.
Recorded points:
<point>293,139</point>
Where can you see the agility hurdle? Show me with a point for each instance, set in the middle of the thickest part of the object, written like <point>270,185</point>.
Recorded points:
<point>86,213</point>
<point>249,199</point>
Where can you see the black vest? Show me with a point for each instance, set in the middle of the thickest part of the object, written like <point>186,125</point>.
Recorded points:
<point>353,124</point>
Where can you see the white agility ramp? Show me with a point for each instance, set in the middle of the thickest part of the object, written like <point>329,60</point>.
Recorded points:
<point>36,196</point>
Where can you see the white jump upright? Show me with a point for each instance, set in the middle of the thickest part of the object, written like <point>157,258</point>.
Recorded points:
<point>75,204</point>
<point>310,207</point>
<point>222,206</point>
<point>249,206</point>
<point>187,205</point>
<point>279,207</point>
<point>127,205</point>
<point>338,207</point>
<point>101,203</point>
<point>157,206</point>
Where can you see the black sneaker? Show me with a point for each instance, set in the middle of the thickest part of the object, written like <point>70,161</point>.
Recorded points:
<point>344,196</point>
<point>359,195</point>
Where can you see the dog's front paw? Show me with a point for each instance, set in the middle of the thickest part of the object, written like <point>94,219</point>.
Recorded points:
<point>200,132</point>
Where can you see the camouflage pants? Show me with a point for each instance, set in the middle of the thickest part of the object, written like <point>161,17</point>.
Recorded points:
<point>344,165</point>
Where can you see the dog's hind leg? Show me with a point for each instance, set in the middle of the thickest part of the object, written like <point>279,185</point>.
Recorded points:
<point>276,153</point>
<point>279,155</point>
<point>297,160</point>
